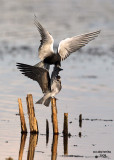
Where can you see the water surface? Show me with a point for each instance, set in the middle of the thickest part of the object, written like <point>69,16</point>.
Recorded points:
<point>87,79</point>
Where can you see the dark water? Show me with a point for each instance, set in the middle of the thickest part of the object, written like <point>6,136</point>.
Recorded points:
<point>87,79</point>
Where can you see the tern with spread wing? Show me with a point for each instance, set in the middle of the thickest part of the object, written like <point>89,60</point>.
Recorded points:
<point>50,86</point>
<point>65,48</point>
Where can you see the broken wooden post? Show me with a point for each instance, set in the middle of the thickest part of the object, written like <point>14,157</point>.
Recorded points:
<point>80,120</point>
<point>31,113</point>
<point>22,145</point>
<point>47,131</point>
<point>65,133</point>
<point>22,118</point>
<point>54,116</point>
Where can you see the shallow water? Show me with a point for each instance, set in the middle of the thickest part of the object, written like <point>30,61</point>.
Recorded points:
<point>87,79</point>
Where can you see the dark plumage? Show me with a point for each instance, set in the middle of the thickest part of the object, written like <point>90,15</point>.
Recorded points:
<point>55,89</point>
<point>41,75</point>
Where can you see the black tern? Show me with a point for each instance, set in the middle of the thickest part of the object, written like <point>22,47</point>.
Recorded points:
<point>50,85</point>
<point>55,89</point>
<point>65,48</point>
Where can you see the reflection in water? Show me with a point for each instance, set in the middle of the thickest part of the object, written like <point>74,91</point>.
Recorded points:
<point>80,134</point>
<point>22,144</point>
<point>9,158</point>
<point>80,124</point>
<point>32,144</point>
<point>47,131</point>
<point>54,147</point>
<point>65,142</point>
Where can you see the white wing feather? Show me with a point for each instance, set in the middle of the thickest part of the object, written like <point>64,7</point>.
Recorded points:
<point>46,46</point>
<point>70,45</point>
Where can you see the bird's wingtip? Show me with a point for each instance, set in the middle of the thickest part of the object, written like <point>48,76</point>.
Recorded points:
<point>98,31</point>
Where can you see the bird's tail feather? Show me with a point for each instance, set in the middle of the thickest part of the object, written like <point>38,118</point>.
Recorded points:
<point>45,102</point>
<point>40,101</point>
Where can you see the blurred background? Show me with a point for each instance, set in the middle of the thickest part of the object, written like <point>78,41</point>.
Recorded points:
<point>87,78</point>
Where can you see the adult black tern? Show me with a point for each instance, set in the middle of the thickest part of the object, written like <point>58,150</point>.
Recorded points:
<point>65,48</point>
<point>50,85</point>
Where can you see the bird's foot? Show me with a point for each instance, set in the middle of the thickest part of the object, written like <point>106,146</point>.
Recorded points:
<point>54,97</point>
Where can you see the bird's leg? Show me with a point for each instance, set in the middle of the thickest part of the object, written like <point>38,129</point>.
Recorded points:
<point>54,97</point>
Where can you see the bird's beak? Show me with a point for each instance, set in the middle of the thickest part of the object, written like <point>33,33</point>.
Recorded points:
<point>60,69</point>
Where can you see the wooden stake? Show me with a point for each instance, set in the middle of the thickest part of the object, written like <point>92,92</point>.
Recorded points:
<point>80,120</point>
<point>54,116</point>
<point>22,145</point>
<point>31,113</point>
<point>22,118</point>
<point>65,128</point>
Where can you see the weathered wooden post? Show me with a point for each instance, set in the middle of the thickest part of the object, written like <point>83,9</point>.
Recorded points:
<point>65,133</point>
<point>22,145</point>
<point>54,116</point>
<point>31,113</point>
<point>22,118</point>
<point>80,120</point>
<point>47,131</point>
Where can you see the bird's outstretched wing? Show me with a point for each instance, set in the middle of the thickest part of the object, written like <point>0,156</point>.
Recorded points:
<point>70,45</point>
<point>38,74</point>
<point>46,46</point>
